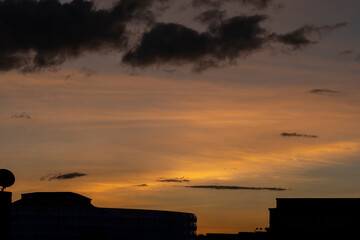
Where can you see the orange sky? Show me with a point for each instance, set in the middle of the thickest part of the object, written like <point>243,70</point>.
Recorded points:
<point>124,128</point>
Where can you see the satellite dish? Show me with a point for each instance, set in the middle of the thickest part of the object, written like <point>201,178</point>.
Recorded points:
<point>7,179</point>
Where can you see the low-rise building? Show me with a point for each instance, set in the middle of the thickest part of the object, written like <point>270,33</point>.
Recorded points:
<point>70,216</point>
<point>314,218</point>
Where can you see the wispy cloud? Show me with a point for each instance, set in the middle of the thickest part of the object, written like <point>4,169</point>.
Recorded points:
<point>65,176</point>
<point>345,52</point>
<point>222,187</point>
<point>350,52</point>
<point>323,91</point>
<point>23,115</point>
<point>68,76</point>
<point>88,72</point>
<point>285,134</point>
<point>142,185</point>
<point>299,38</point>
<point>212,16</point>
<point>176,180</point>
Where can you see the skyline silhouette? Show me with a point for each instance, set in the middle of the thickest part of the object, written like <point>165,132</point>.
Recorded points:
<point>67,215</point>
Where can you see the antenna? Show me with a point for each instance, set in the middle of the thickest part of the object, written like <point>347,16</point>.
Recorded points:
<point>7,179</point>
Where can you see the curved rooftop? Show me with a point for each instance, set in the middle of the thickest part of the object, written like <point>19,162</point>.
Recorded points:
<point>53,199</point>
<point>74,200</point>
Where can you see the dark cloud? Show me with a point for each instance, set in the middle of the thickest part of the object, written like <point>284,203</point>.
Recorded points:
<point>39,34</point>
<point>285,134</point>
<point>45,34</point>
<point>300,37</point>
<point>67,77</point>
<point>177,44</point>
<point>218,3</point>
<point>345,52</point>
<point>176,180</point>
<point>23,115</point>
<point>222,43</point>
<point>324,91</point>
<point>142,185</point>
<point>63,176</point>
<point>221,187</point>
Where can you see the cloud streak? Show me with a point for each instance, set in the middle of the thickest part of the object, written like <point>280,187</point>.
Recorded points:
<point>142,185</point>
<point>173,180</point>
<point>65,176</point>
<point>299,38</point>
<point>222,187</point>
<point>285,134</point>
<point>23,115</point>
<point>346,52</point>
<point>323,91</point>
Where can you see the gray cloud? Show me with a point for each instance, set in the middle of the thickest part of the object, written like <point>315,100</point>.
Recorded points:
<point>63,176</point>
<point>221,187</point>
<point>350,52</point>
<point>323,91</point>
<point>285,134</point>
<point>300,37</point>
<point>88,72</point>
<point>23,115</point>
<point>213,16</point>
<point>176,180</point>
<point>67,77</point>
<point>345,52</point>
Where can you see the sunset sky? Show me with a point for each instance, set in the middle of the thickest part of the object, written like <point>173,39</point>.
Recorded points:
<point>205,106</point>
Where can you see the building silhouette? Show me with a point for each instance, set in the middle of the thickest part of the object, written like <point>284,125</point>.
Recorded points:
<point>70,216</point>
<point>315,218</point>
<point>305,219</point>
<point>5,215</point>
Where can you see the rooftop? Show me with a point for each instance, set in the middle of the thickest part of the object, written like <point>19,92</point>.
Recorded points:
<point>53,199</point>
<point>318,203</point>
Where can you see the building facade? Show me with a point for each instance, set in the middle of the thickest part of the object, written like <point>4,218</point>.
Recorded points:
<point>70,216</point>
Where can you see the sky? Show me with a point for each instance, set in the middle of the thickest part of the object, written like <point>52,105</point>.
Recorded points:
<point>211,107</point>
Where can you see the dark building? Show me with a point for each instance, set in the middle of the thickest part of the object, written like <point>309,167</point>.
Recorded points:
<point>70,216</point>
<point>5,215</point>
<point>315,218</point>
